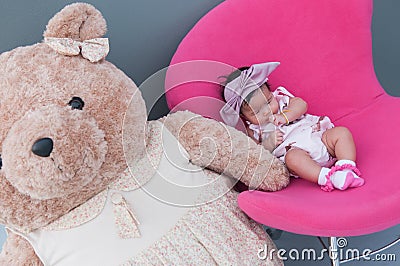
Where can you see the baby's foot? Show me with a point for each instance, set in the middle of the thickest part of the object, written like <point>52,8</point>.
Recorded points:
<point>342,176</point>
<point>346,179</point>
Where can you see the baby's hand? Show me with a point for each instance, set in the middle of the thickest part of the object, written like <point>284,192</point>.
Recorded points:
<point>278,137</point>
<point>273,140</point>
<point>278,120</point>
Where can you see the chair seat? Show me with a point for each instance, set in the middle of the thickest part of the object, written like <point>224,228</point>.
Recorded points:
<point>305,209</point>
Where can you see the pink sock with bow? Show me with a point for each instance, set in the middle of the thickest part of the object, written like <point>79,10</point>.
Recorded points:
<point>341,176</point>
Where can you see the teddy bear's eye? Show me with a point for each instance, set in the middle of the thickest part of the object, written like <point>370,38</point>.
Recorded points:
<point>1,162</point>
<point>76,103</point>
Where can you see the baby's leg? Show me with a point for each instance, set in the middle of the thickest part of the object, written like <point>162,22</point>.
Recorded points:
<point>300,163</point>
<point>340,144</point>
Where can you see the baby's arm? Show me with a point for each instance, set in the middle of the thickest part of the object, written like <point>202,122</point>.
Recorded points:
<point>273,140</point>
<point>270,142</point>
<point>295,109</point>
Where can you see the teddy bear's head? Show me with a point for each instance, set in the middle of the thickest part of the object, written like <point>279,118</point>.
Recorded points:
<point>62,108</point>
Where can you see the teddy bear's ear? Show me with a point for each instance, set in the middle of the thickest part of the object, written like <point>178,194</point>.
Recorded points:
<point>79,21</point>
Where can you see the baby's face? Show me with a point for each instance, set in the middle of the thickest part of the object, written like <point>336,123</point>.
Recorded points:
<point>261,107</point>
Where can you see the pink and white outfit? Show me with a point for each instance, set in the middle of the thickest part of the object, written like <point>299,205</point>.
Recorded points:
<point>304,133</point>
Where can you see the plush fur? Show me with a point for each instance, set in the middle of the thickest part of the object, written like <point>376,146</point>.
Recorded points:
<point>17,251</point>
<point>221,148</point>
<point>36,86</point>
<point>79,21</point>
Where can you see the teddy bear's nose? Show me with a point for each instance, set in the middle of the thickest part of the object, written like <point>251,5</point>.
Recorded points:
<point>43,147</point>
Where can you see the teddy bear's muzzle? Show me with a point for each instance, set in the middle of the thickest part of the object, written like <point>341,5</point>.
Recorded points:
<point>53,152</point>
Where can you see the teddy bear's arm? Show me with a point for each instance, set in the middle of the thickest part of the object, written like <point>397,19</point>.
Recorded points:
<point>17,251</point>
<point>221,148</point>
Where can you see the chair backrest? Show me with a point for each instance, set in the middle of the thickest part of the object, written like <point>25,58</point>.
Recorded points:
<point>324,47</point>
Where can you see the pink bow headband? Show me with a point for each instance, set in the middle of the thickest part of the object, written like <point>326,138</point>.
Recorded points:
<point>94,49</point>
<point>238,89</point>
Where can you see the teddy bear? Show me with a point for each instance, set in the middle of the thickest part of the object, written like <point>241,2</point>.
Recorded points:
<point>87,180</point>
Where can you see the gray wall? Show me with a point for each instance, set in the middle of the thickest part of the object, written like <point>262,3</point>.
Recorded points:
<point>386,43</point>
<point>144,35</point>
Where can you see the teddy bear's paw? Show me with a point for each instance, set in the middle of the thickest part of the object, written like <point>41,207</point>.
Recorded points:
<point>276,178</point>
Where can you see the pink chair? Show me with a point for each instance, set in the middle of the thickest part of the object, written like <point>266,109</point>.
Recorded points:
<point>325,50</point>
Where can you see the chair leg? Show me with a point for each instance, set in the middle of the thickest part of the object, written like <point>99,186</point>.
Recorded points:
<point>273,233</point>
<point>334,251</point>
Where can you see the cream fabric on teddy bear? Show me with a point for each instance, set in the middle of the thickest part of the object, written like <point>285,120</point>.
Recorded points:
<point>68,243</point>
